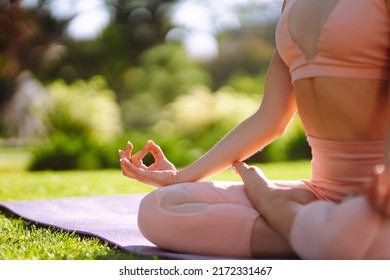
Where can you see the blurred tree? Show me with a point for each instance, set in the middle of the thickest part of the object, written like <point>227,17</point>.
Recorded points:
<point>33,39</point>
<point>30,39</point>
<point>247,49</point>
<point>240,53</point>
<point>135,26</point>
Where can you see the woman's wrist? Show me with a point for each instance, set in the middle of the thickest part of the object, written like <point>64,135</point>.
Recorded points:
<point>182,176</point>
<point>190,174</point>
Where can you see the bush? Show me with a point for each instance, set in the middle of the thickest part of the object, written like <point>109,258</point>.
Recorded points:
<point>82,122</point>
<point>292,145</point>
<point>82,109</point>
<point>195,122</point>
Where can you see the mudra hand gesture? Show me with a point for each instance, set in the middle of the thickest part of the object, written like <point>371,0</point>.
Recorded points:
<point>160,173</point>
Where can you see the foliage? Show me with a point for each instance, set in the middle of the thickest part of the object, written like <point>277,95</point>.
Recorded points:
<point>193,123</point>
<point>242,82</point>
<point>162,93</point>
<point>30,39</point>
<point>82,109</point>
<point>165,72</point>
<point>82,121</point>
<point>135,27</point>
<point>292,145</point>
<point>240,53</point>
<point>33,38</point>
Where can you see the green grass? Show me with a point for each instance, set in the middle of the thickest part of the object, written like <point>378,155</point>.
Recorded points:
<point>25,240</point>
<point>48,184</point>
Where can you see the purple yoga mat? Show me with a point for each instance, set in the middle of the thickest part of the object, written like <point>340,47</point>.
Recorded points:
<point>110,218</point>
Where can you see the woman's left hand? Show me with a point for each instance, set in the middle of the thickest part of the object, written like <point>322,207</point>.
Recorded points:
<point>160,173</point>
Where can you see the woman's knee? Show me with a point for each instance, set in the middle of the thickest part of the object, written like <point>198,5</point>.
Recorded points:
<point>176,197</point>
<point>147,215</point>
<point>157,214</point>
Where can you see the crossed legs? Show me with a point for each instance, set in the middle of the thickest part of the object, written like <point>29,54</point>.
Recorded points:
<point>210,218</point>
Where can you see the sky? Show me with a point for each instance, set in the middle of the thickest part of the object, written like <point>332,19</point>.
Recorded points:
<point>198,20</point>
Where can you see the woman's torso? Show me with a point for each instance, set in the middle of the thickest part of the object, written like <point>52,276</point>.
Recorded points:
<point>331,104</point>
<point>343,109</point>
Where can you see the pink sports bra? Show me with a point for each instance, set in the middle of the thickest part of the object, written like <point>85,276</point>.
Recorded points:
<point>335,38</point>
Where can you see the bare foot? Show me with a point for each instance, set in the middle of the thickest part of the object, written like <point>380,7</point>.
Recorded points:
<point>277,205</point>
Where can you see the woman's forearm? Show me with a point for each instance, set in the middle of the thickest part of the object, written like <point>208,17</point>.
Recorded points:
<point>246,139</point>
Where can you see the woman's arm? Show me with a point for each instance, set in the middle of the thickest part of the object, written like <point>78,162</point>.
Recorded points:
<point>253,134</point>
<point>268,122</point>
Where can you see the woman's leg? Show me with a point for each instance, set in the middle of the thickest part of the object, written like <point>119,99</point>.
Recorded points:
<point>211,218</point>
<point>326,230</point>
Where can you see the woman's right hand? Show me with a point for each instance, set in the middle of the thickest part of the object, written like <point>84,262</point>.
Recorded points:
<point>160,173</point>
<point>378,194</point>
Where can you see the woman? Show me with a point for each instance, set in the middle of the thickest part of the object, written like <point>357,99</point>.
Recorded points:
<point>330,66</point>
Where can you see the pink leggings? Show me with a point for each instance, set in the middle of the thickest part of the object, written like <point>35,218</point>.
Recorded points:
<point>349,230</point>
<point>217,218</point>
<point>220,223</point>
<point>199,218</point>
<point>208,218</point>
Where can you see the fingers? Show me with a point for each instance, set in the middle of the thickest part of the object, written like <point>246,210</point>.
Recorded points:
<point>122,154</point>
<point>154,178</point>
<point>156,151</point>
<point>127,152</point>
<point>137,157</point>
<point>384,191</point>
<point>129,148</point>
<point>378,194</point>
<point>131,171</point>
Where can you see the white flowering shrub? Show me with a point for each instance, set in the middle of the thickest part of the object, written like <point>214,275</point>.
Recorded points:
<point>81,120</point>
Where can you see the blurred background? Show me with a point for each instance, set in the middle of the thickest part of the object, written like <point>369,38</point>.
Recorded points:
<point>79,78</point>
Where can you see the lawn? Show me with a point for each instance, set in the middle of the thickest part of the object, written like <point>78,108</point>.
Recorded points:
<point>23,240</point>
